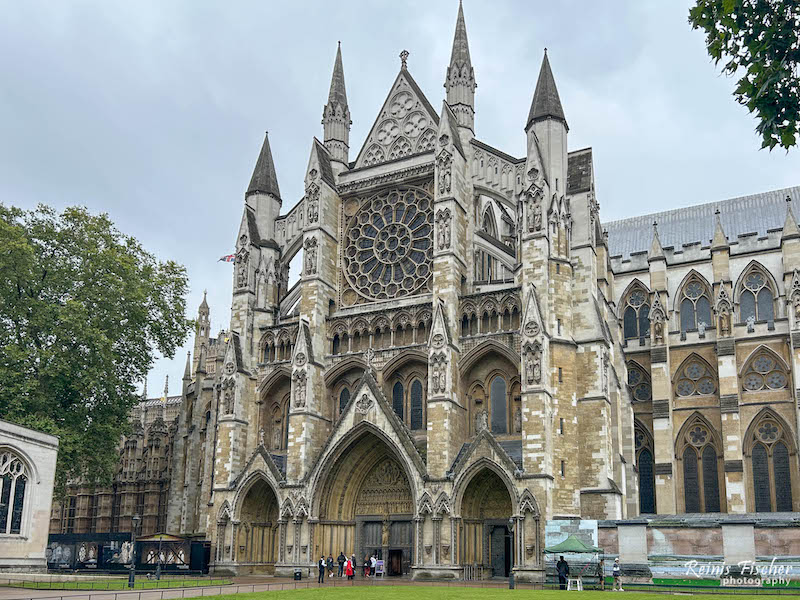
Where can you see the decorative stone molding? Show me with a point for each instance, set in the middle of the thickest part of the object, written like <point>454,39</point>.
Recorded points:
<point>734,466</point>
<point>726,347</point>
<point>663,469</point>
<point>658,355</point>
<point>660,409</point>
<point>729,403</point>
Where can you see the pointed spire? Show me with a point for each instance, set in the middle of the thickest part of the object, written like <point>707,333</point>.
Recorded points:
<point>264,179</point>
<point>187,372</point>
<point>459,56</point>
<point>144,389</point>
<point>336,114</point>
<point>460,79</point>
<point>204,303</point>
<point>338,93</point>
<point>790,229</point>
<point>546,103</point>
<point>656,251</point>
<point>720,240</point>
<point>201,359</point>
<point>166,386</point>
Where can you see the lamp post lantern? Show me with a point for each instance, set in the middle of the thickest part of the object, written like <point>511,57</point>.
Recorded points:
<point>135,519</point>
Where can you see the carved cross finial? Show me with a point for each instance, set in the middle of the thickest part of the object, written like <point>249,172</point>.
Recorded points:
<point>404,59</point>
<point>369,356</point>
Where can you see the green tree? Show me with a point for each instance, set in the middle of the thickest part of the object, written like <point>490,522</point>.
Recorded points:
<point>83,310</point>
<point>761,37</point>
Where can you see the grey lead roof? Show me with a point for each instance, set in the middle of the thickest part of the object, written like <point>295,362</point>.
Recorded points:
<point>757,214</point>
<point>546,102</point>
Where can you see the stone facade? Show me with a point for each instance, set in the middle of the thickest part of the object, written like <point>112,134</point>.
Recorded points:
<point>27,475</point>
<point>470,354</point>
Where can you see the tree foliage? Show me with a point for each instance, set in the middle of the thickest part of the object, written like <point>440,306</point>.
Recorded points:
<point>83,310</point>
<point>761,37</point>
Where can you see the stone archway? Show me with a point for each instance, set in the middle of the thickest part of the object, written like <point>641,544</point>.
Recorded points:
<point>366,505</point>
<point>257,530</point>
<point>486,538</point>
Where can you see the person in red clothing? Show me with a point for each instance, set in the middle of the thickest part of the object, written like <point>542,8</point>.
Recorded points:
<point>348,568</point>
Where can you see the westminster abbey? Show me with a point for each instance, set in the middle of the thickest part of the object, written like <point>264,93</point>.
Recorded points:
<point>470,352</point>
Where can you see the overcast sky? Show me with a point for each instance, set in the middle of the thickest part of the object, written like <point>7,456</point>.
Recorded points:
<point>154,112</point>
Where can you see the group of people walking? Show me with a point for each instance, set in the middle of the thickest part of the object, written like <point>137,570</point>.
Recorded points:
<point>347,566</point>
<point>562,570</point>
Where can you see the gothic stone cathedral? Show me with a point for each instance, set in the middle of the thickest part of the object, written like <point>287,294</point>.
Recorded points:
<point>469,352</point>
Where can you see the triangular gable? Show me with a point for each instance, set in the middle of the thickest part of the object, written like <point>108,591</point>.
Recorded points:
<point>440,331</point>
<point>448,126</point>
<point>407,124</point>
<point>303,349</point>
<point>486,441</point>
<point>364,403</point>
<point>252,465</point>
<point>319,164</point>
<point>233,355</point>
<point>532,316</point>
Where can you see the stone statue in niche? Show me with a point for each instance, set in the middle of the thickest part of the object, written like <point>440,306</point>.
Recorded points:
<point>796,304</point>
<point>518,420</point>
<point>300,389</point>
<point>725,322</point>
<point>658,332</point>
<point>242,264</point>
<point>385,534</point>
<point>311,256</point>
<point>481,421</point>
<point>276,435</point>
<point>533,364</point>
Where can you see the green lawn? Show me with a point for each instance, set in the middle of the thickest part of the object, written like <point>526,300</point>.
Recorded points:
<point>412,592</point>
<point>142,583</point>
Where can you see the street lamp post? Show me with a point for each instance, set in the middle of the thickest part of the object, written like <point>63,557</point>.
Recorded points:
<point>158,566</point>
<point>132,573</point>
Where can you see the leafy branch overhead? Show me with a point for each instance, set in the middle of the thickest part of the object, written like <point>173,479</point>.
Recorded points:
<point>762,39</point>
<point>83,310</point>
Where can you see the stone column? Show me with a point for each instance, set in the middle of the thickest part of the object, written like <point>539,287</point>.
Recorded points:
<point>281,540</point>
<point>437,539</point>
<point>418,526</point>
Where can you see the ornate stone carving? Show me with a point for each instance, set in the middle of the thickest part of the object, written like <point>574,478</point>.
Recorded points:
<point>299,389</point>
<point>532,328</point>
<point>443,221</point>
<point>517,420</point>
<point>300,359</point>
<point>228,392</point>
<point>310,246</point>
<point>242,267</point>
<point>439,374</point>
<point>438,341</point>
<point>312,203</point>
<point>533,363</point>
<point>444,162</point>
<point>533,211</point>
<point>363,404</point>
<point>481,421</point>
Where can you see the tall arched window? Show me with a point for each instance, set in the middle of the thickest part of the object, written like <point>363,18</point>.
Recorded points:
<point>695,378</point>
<point>344,398</point>
<point>417,420</point>
<point>488,223</point>
<point>696,304</point>
<point>755,296</point>
<point>397,399</point>
<point>285,424</point>
<point>639,383</point>
<point>13,481</point>
<point>499,409</point>
<point>646,464</point>
<point>635,315</point>
<point>701,485</point>
<point>771,464</point>
<point>764,372</point>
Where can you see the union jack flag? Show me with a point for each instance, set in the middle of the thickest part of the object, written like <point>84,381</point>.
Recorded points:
<point>227,258</point>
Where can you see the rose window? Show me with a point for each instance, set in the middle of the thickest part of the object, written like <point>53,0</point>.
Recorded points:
<point>637,298</point>
<point>698,436</point>
<point>764,373</point>
<point>768,431</point>
<point>695,379</point>
<point>389,244</point>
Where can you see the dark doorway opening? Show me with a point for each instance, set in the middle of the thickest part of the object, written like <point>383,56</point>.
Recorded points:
<point>395,566</point>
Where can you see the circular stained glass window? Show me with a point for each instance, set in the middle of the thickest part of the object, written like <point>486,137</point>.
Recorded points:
<point>763,364</point>
<point>637,298</point>
<point>705,385</point>
<point>695,371</point>
<point>685,388</point>
<point>694,290</point>
<point>754,281</point>
<point>753,381</point>
<point>634,377</point>
<point>698,435</point>
<point>642,392</point>
<point>389,244</point>
<point>776,380</point>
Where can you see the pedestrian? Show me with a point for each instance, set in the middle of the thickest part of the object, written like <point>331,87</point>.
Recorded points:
<point>348,568</point>
<point>366,566</point>
<point>330,565</point>
<point>322,565</point>
<point>601,574</point>
<point>341,559</point>
<point>616,572</point>
<point>562,568</point>
<point>373,562</point>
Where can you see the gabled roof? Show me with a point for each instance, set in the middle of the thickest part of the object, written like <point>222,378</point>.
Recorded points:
<point>757,213</point>
<point>264,178</point>
<point>324,159</point>
<point>405,125</point>
<point>546,102</point>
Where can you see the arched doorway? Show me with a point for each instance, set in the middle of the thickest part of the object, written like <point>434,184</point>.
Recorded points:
<point>487,539</point>
<point>257,534</point>
<point>366,505</point>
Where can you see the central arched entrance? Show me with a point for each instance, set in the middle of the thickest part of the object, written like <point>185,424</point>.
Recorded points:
<point>366,506</point>
<point>486,508</point>
<point>257,535</point>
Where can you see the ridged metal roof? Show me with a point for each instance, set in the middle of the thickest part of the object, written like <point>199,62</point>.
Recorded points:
<point>747,214</point>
